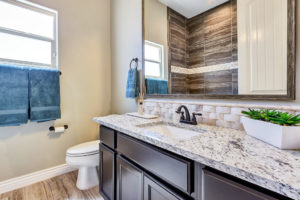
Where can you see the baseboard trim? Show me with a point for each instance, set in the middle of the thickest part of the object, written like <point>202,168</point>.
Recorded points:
<point>35,177</point>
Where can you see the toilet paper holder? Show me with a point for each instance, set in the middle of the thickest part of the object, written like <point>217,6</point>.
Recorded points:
<point>52,128</point>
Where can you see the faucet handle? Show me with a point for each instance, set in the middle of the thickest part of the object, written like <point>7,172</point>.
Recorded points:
<point>197,114</point>
<point>194,119</point>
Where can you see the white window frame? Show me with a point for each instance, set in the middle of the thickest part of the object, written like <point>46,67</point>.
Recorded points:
<point>161,63</point>
<point>54,42</point>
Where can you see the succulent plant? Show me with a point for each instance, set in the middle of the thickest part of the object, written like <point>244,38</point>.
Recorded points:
<point>273,116</point>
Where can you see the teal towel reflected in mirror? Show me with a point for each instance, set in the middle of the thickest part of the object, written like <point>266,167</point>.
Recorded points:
<point>133,84</point>
<point>156,86</point>
<point>13,95</point>
<point>44,95</point>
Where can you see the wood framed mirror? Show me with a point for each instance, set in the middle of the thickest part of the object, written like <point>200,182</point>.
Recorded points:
<point>221,49</point>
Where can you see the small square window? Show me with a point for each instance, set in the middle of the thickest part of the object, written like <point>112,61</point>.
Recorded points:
<point>28,34</point>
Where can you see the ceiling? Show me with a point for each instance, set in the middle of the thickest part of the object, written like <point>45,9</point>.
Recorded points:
<point>191,8</point>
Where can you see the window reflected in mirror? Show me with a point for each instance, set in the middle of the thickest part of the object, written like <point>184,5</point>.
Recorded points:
<point>155,79</point>
<point>154,60</point>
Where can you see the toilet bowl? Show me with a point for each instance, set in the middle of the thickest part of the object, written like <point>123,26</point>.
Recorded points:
<point>85,157</point>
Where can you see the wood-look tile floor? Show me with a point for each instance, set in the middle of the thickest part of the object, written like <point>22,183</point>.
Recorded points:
<point>58,188</point>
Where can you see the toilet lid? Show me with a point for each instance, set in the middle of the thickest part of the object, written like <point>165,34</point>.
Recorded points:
<point>87,148</point>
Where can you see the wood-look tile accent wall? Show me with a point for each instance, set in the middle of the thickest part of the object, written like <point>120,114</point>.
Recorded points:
<point>212,36</point>
<point>221,82</point>
<point>204,40</point>
<point>177,38</point>
<point>180,84</point>
<point>177,51</point>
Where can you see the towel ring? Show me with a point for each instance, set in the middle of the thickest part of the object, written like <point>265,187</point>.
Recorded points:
<point>136,60</point>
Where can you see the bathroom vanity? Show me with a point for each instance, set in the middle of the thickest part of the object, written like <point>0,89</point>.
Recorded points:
<point>145,159</point>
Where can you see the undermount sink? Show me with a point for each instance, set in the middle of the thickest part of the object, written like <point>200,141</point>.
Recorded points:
<point>171,131</point>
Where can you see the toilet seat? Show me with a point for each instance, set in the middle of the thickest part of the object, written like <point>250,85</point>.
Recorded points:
<point>82,154</point>
<point>78,161</point>
<point>84,149</point>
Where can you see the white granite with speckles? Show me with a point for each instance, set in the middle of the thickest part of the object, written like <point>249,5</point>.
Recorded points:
<point>227,150</point>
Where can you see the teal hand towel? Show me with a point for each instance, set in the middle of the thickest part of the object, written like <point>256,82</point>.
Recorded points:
<point>13,95</point>
<point>133,84</point>
<point>44,95</point>
<point>156,86</point>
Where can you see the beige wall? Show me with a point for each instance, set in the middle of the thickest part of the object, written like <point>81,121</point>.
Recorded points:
<point>136,16</point>
<point>156,27</point>
<point>84,52</point>
<point>126,43</point>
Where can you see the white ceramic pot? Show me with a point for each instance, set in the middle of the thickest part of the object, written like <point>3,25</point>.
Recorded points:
<point>283,137</point>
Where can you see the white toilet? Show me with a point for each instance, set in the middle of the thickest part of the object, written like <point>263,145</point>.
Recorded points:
<point>85,157</point>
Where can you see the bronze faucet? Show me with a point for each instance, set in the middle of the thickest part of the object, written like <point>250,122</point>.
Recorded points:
<point>187,118</point>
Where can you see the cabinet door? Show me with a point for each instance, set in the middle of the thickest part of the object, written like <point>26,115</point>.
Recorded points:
<point>129,181</point>
<point>156,191</point>
<point>216,187</point>
<point>107,172</point>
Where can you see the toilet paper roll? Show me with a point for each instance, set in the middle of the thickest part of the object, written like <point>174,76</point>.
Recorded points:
<point>59,129</point>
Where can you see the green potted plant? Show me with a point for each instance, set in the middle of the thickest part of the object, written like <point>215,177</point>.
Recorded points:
<point>277,128</point>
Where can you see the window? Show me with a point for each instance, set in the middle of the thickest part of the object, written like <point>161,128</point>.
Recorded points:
<point>28,34</point>
<point>154,60</point>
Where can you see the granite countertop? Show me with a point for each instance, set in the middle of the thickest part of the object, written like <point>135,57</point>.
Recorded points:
<point>227,150</point>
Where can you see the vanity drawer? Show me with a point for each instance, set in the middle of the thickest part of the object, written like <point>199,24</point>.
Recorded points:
<point>173,169</point>
<point>108,137</point>
<point>217,187</point>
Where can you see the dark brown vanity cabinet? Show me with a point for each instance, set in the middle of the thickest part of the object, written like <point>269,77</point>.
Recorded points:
<point>124,166</point>
<point>216,187</point>
<point>131,169</point>
<point>108,137</point>
<point>134,184</point>
<point>153,190</point>
<point>173,169</point>
<point>107,172</point>
<point>129,181</point>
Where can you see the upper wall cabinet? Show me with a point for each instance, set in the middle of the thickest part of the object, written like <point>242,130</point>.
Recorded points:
<point>226,49</point>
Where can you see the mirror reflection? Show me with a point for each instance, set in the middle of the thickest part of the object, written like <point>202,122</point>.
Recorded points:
<point>215,47</point>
